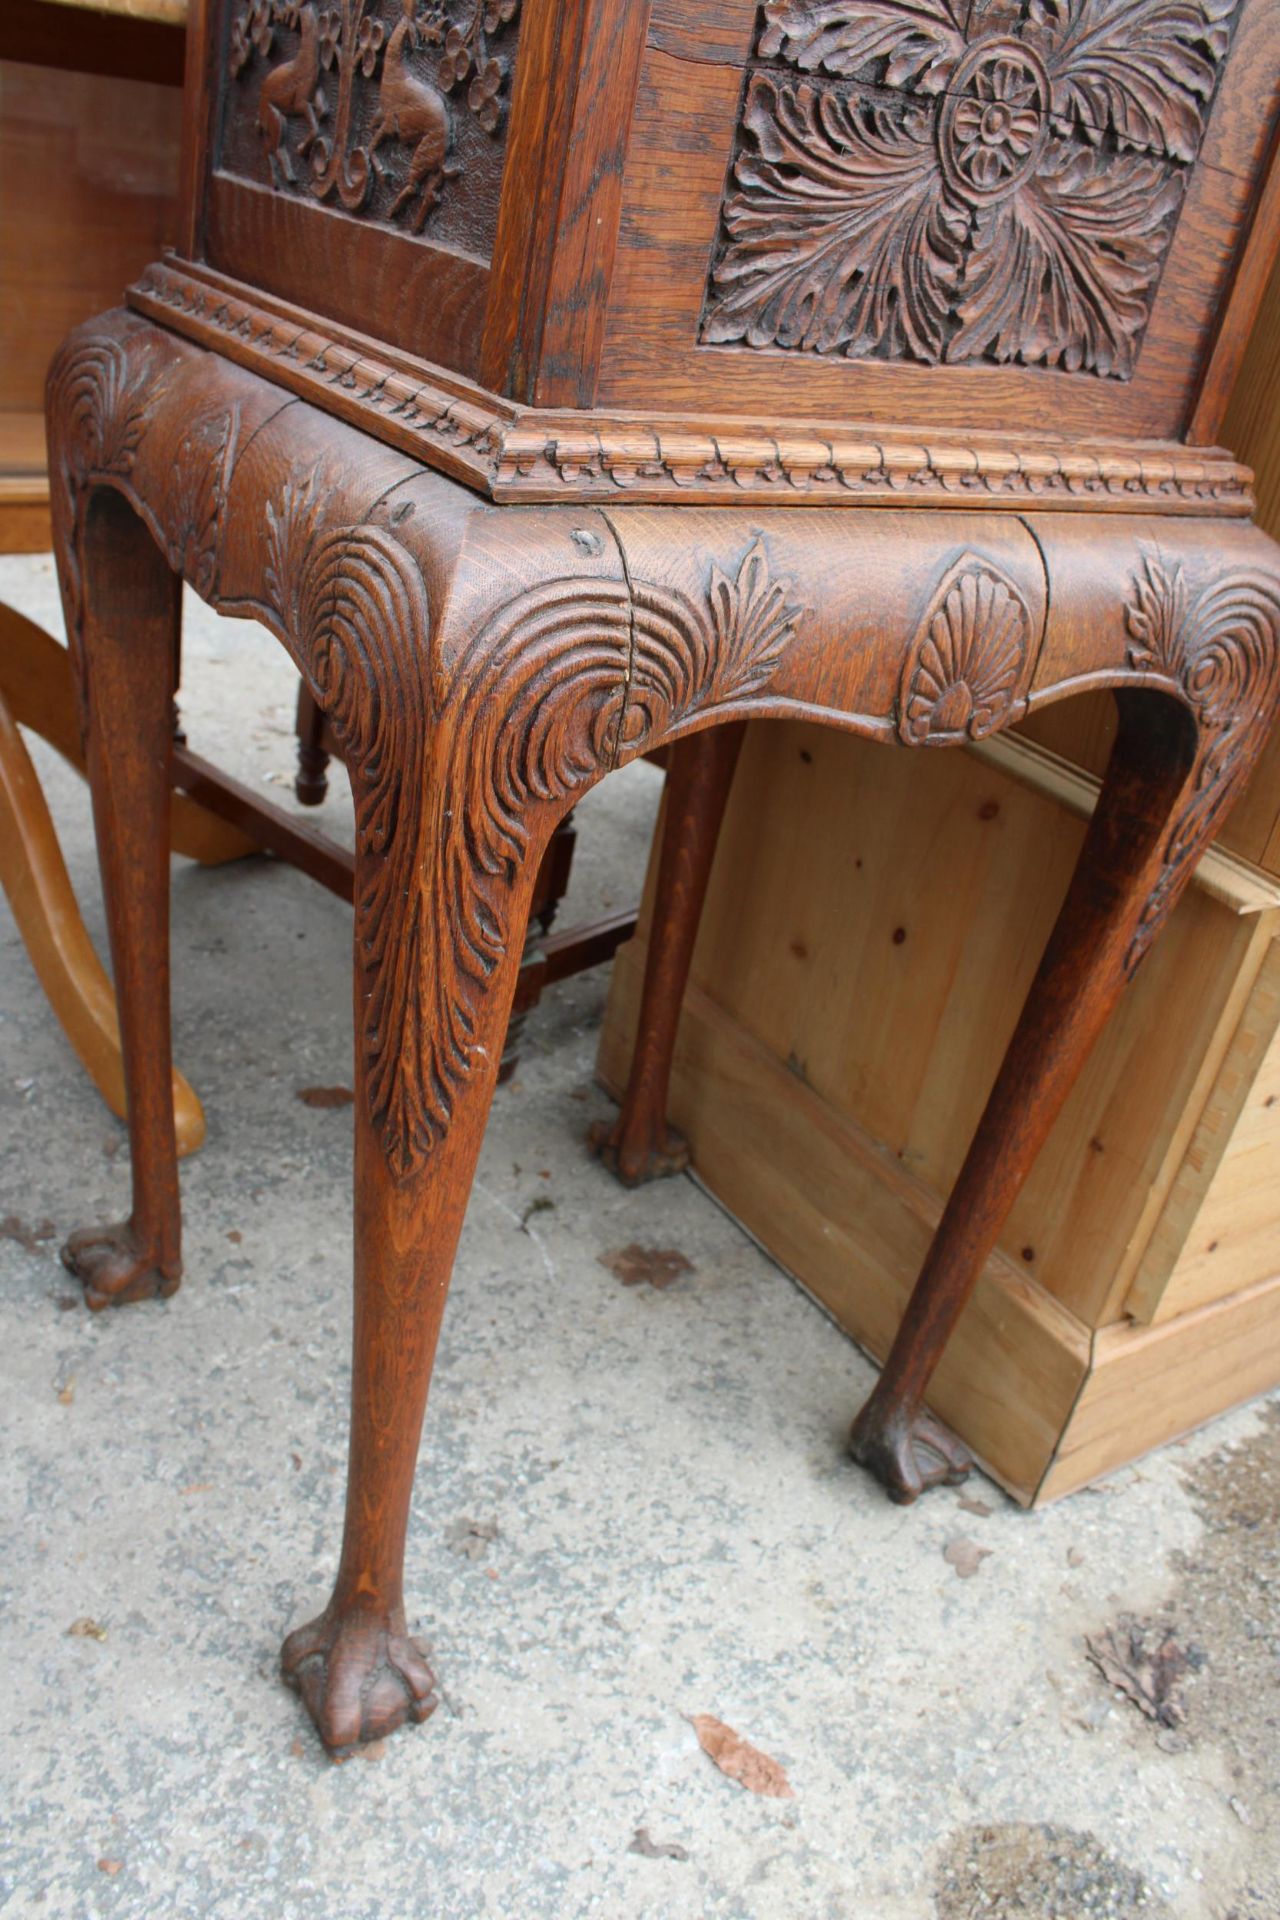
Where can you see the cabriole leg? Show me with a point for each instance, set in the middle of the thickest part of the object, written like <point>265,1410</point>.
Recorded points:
<point>130,617</point>
<point>1167,785</point>
<point>639,1145</point>
<point>360,1673</point>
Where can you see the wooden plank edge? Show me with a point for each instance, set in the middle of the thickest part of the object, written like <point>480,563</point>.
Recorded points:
<point>1225,877</point>
<point>1212,1359</point>
<point>1216,1118</point>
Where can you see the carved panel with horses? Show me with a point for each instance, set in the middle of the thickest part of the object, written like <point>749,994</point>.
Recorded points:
<point>391,110</point>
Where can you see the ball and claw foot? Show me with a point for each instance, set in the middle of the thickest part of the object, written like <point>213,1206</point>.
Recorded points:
<point>908,1453</point>
<point>634,1164</point>
<point>116,1267</point>
<point>360,1678</point>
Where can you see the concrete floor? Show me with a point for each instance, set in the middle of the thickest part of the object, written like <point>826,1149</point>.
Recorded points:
<point>633,1508</point>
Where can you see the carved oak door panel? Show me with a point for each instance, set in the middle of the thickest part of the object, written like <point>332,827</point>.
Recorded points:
<point>899,195</point>
<point>955,183</point>
<point>357,153</point>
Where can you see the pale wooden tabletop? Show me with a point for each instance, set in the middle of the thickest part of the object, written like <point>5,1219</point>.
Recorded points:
<point>172,13</point>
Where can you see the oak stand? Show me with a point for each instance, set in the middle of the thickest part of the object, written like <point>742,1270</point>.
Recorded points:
<point>565,379</point>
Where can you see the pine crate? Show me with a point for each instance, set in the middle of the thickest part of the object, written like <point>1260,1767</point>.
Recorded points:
<point>872,925</point>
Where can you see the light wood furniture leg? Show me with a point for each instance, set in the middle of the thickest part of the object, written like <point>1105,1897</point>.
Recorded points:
<point>34,879</point>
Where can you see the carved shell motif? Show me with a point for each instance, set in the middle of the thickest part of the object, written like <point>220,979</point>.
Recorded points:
<point>965,670</point>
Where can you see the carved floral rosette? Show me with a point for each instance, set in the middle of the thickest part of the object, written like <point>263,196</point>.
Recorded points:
<point>948,183</point>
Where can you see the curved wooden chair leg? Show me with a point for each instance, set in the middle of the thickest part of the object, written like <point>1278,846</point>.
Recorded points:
<point>37,681</point>
<point>34,879</point>
<point>639,1145</point>
<point>311,781</point>
<point>1166,788</point>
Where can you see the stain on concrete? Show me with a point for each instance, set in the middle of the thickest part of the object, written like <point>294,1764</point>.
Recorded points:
<point>1228,1603</point>
<point>1033,1871</point>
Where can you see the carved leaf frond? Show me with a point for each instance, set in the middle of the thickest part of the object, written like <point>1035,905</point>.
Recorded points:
<point>1061,272</point>
<point>1155,617</point>
<point>753,623</point>
<point>197,500</point>
<point>1144,71</point>
<point>351,605</point>
<point>539,719</point>
<point>841,237</point>
<point>690,654</point>
<point>916,41</point>
<point>100,392</point>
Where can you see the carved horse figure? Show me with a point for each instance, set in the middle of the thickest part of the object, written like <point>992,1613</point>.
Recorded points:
<point>292,89</point>
<point>412,110</point>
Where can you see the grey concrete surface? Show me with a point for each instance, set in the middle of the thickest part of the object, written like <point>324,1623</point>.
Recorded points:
<point>674,1529</point>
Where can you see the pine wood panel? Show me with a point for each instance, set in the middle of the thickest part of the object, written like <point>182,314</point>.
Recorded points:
<point>1148,1385</point>
<point>1226,1236</point>
<point>832,1206</point>
<point>893,993</point>
<point>837,1041</point>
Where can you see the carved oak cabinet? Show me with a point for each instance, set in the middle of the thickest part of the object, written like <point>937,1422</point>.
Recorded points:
<point>562,379</point>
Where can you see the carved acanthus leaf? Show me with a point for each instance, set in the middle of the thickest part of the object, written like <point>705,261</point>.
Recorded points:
<point>840,240</point>
<point>97,393</point>
<point>1060,274</point>
<point>545,705</point>
<point>1144,70</point>
<point>548,706</point>
<point>1219,649</point>
<point>351,604</point>
<point>198,501</point>
<point>918,41</point>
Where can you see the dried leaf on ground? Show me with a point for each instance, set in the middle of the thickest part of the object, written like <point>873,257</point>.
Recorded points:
<point>966,1556</point>
<point>1145,1664</point>
<point>738,1759</point>
<point>971,1504</point>
<point>67,1392</point>
<point>635,1265</point>
<point>470,1538</point>
<point>86,1629</point>
<point>326,1096</point>
<point>32,1239</point>
<point>651,1849</point>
